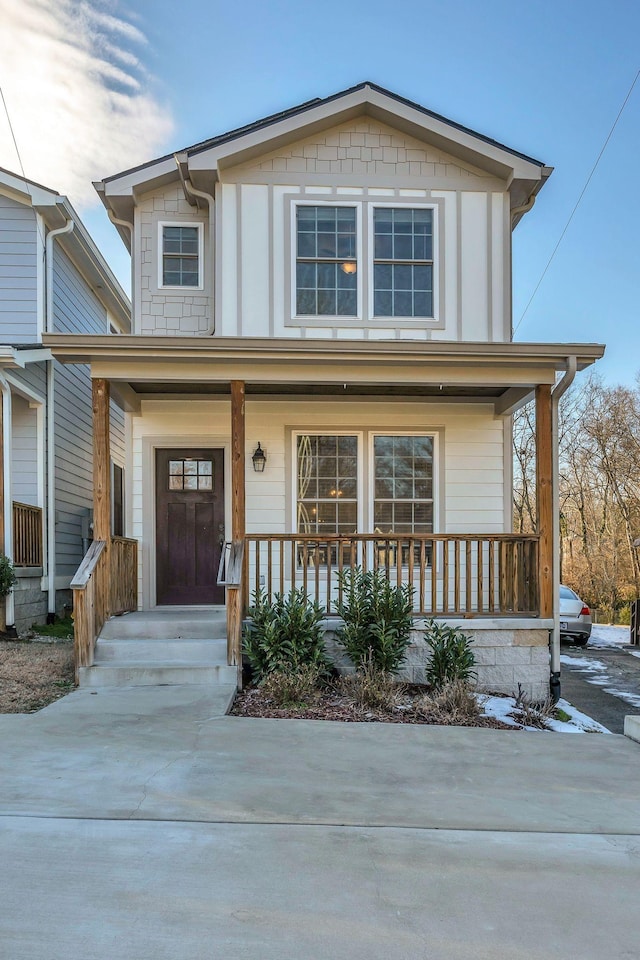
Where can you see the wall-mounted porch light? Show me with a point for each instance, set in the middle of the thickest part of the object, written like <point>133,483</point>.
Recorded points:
<point>259,459</point>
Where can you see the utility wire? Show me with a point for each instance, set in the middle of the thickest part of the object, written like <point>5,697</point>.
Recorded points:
<point>577,203</point>
<point>24,176</point>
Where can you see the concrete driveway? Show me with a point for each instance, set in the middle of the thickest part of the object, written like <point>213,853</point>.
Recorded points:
<point>143,823</point>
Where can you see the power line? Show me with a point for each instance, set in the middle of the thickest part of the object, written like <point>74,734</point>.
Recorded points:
<point>24,176</point>
<point>577,203</point>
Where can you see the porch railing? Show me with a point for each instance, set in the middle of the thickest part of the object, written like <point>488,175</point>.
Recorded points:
<point>105,583</point>
<point>27,535</point>
<point>454,575</point>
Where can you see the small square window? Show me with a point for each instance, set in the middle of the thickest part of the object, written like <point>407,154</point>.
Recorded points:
<point>180,255</point>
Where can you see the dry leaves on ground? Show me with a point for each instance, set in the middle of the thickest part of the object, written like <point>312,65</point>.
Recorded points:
<point>33,675</point>
<point>333,705</point>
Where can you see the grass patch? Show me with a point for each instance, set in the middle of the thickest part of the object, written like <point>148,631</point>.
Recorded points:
<point>62,629</point>
<point>562,715</point>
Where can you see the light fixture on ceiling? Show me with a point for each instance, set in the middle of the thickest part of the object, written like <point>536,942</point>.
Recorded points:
<point>349,267</point>
<point>259,459</point>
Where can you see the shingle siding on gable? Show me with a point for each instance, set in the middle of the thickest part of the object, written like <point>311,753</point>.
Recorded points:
<point>18,272</point>
<point>366,147</point>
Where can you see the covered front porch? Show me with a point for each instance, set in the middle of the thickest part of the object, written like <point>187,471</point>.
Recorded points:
<point>188,398</point>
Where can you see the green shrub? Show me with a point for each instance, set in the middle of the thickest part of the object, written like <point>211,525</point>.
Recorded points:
<point>7,575</point>
<point>451,655</point>
<point>377,619</point>
<point>285,634</point>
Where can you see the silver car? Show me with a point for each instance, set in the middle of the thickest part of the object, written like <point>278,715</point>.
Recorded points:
<point>575,618</point>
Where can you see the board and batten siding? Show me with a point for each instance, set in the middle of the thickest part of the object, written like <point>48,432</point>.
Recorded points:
<point>76,310</point>
<point>470,466</point>
<point>361,162</point>
<point>18,272</point>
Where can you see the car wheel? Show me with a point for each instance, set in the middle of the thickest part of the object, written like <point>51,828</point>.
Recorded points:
<point>580,641</point>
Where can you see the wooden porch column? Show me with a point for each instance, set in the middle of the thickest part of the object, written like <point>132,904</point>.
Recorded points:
<point>235,596</point>
<point>544,497</point>
<point>102,487</point>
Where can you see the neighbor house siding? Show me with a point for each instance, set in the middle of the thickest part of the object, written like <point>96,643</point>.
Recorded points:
<point>24,452</point>
<point>76,310</point>
<point>18,272</point>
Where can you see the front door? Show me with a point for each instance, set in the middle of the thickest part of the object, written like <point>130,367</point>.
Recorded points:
<point>189,525</point>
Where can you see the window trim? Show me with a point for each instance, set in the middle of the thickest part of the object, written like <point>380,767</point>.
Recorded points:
<point>364,318</point>
<point>365,468</point>
<point>180,223</point>
<point>310,318</point>
<point>435,270</point>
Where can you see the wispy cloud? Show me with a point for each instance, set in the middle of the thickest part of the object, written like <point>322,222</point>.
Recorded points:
<point>79,97</point>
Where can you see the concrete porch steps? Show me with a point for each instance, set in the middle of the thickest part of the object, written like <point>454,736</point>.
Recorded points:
<point>161,647</point>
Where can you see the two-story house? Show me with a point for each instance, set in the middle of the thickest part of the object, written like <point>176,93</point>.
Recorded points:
<point>52,278</point>
<point>321,373</point>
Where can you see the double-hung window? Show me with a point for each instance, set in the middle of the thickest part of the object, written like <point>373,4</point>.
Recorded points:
<point>403,484</point>
<point>326,261</point>
<point>402,262</point>
<point>327,483</point>
<point>181,255</point>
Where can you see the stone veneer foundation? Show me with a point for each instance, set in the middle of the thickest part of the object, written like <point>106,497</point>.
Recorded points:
<point>508,652</point>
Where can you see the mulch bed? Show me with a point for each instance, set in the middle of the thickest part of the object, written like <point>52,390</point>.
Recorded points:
<point>33,675</point>
<point>331,705</point>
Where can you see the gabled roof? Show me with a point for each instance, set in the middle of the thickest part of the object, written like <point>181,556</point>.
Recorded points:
<point>204,160</point>
<point>56,211</point>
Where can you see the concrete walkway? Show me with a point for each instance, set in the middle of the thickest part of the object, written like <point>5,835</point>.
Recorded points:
<point>143,823</point>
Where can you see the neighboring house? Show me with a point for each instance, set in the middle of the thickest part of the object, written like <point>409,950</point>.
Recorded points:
<point>330,288</point>
<point>52,279</point>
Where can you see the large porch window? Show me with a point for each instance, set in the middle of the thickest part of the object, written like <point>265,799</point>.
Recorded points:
<point>330,488</point>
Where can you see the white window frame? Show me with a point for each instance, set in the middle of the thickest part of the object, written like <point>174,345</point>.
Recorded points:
<point>336,201</point>
<point>401,203</point>
<point>181,223</point>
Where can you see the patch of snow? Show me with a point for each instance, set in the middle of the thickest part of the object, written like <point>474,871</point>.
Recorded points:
<point>583,663</point>
<point>579,723</point>
<point>634,653</point>
<point>606,635</point>
<point>501,707</point>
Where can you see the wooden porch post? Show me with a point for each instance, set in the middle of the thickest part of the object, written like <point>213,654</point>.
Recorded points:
<point>102,488</point>
<point>544,497</point>
<point>235,596</point>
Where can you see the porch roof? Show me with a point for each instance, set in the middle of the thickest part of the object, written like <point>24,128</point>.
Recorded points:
<point>502,373</point>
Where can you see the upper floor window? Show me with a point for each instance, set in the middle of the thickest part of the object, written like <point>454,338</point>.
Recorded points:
<point>402,262</point>
<point>181,255</point>
<point>326,264</point>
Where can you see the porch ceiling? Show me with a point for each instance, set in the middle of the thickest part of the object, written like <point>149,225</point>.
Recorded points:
<point>504,373</point>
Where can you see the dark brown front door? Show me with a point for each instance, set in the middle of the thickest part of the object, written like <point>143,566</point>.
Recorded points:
<point>189,525</point>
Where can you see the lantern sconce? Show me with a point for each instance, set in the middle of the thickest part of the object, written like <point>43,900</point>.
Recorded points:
<point>259,459</point>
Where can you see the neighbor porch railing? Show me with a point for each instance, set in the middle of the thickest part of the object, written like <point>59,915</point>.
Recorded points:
<point>27,535</point>
<point>106,583</point>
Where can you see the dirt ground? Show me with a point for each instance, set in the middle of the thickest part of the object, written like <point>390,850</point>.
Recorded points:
<point>332,705</point>
<point>34,674</point>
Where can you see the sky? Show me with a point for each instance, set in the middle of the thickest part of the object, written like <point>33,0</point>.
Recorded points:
<point>93,87</point>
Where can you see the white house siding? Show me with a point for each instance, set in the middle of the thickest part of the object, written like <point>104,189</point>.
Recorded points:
<point>470,457</point>
<point>18,272</point>
<point>364,162</point>
<point>76,310</point>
